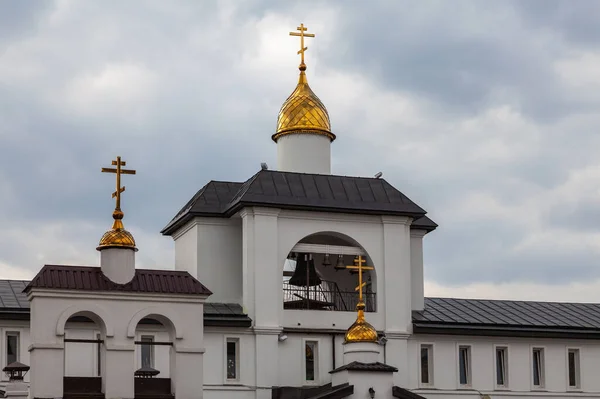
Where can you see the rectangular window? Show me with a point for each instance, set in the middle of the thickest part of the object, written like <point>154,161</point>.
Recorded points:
<point>98,356</point>
<point>147,351</point>
<point>310,360</point>
<point>426,364</point>
<point>233,356</point>
<point>464,365</point>
<point>12,347</point>
<point>501,367</point>
<point>573,360</point>
<point>538,367</point>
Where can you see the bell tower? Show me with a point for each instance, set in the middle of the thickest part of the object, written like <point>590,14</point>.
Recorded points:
<point>303,133</point>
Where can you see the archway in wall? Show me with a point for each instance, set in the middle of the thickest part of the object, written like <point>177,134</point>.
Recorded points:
<point>84,356</point>
<point>315,276</point>
<point>154,357</point>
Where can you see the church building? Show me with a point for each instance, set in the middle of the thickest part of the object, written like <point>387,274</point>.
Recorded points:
<point>294,284</point>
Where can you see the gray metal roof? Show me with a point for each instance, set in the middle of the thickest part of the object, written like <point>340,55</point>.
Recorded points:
<point>302,191</point>
<point>500,317</point>
<point>12,296</point>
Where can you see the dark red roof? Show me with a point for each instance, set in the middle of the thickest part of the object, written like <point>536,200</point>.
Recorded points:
<point>89,278</point>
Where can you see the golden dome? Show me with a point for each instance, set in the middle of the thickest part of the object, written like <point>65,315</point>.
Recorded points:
<point>117,236</point>
<point>303,112</point>
<point>361,331</point>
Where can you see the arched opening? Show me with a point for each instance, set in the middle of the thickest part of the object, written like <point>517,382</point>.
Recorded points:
<point>84,355</point>
<point>316,274</point>
<point>154,357</point>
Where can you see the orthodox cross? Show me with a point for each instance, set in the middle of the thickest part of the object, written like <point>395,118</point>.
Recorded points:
<point>358,265</point>
<point>302,35</point>
<point>119,171</point>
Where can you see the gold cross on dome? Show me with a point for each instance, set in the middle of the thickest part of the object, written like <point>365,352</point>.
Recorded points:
<point>118,171</point>
<point>358,265</point>
<point>302,35</point>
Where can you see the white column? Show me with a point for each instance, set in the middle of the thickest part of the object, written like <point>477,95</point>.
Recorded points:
<point>416,269</point>
<point>119,369</point>
<point>396,354</point>
<point>267,371</point>
<point>47,370</point>
<point>248,261</point>
<point>304,153</point>
<point>396,246</point>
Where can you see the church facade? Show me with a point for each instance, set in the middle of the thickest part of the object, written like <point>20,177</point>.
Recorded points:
<point>295,283</point>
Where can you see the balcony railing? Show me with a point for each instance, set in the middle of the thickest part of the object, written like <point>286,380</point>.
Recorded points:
<point>326,296</point>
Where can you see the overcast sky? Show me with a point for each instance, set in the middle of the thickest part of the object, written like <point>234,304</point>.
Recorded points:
<point>484,113</point>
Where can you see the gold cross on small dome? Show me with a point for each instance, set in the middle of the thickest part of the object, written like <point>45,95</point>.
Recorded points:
<point>118,171</point>
<point>302,29</point>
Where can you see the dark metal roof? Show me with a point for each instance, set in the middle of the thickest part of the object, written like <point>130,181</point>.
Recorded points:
<point>89,278</point>
<point>12,296</point>
<point>398,392</point>
<point>424,223</point>
<point>512,318</point>
<point>306,392</point>
<point>359,366</point>
<point>301,191</point>
<point>225,314</point>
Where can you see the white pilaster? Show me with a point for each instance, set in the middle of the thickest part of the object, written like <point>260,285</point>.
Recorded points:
<point>396,246</point>
<point>416,269</point>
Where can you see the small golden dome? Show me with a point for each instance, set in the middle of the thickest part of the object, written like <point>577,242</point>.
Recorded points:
<point>361,331</point>
<point>303,112</point>
<point>117,236</point>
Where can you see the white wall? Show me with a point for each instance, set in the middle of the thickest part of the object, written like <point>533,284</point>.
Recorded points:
<point>304,153</point>
<point>445,363</point>
<point>210,249</point>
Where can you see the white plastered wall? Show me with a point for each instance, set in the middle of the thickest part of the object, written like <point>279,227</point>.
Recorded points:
<point>445,363</point>
<point>304,153</point>
<point>120,314</point>
<point>210,249</point>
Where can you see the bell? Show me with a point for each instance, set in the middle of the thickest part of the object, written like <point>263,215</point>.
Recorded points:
<point>326,261</point>
<point>305,274</point>
<point>292,256</point>
<point>340,263</point>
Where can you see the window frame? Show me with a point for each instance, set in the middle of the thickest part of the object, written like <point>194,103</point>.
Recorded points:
<point>236,340</point>
<point>469,365</point>
<point>13,333</point>
<point>316,357</point>
<point>430,359</point>
<point>506,361</point>
<point>152,352</point>
<point>577,386</point>
<point>542,368</point>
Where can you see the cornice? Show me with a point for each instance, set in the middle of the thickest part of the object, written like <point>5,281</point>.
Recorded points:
<point>417,233</point>
<point>397,335</point>
<point>201,221</point>
<point>267,330</point>
<point>329,217</point>
<point>403,220</point>
<point>110,295</point>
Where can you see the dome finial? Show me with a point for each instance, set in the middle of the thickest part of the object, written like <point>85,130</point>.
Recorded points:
<point>117,236</point>
<point>302,29</point>
<point>360,331</point>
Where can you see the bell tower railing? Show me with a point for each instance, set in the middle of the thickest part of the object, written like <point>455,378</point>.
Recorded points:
<point>325,296</point>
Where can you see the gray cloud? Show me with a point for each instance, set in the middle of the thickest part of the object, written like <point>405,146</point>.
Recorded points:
<point>483,113</point>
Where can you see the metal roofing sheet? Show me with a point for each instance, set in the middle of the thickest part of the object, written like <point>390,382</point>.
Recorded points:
<point>483,312</point>
<point>88,278</point>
